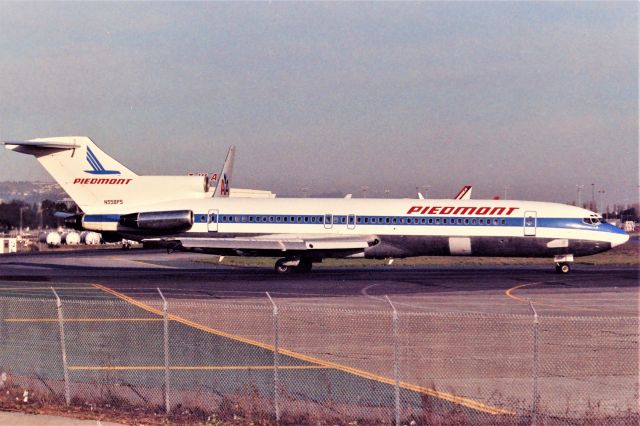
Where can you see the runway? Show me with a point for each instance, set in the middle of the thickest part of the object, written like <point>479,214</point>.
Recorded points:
<point>587,290</point>
<point>466,331</point>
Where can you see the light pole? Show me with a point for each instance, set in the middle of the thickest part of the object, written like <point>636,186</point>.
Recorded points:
<point>593,197</point>
<point>304,190</point>
<point>21,210</point>
<point>364,191</point>
<point>426,191</point>
<point>601,199</point>
<point>506,188</point>
<point>386,193</point>
<point>579,202</point>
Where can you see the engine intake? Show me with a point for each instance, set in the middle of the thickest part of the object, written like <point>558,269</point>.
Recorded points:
<point>169,221</point>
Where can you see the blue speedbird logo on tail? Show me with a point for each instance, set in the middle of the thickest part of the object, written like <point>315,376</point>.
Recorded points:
<point>98,168</point>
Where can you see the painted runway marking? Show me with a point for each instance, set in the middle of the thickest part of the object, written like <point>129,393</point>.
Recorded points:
<point>466,402</point>
<point>509,293</point>
<point>194,367</point>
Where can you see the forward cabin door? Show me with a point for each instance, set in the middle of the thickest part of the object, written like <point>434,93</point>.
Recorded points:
<point>351,221</point>
<point>212,221</point>
<point>530,223</point>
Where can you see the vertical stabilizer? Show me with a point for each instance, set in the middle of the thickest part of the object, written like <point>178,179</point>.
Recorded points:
<point>75,161</point>
<point>222,188</point>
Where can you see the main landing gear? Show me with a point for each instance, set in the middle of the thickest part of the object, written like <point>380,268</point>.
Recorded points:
<point>563,265</point>
<point>286,266</point>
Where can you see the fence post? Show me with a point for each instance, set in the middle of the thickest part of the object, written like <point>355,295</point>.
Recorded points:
<point>276,360</point>
<point>63,348</point>
<point>396,359</point>
<point>165,316</point>
<point>536,396</point>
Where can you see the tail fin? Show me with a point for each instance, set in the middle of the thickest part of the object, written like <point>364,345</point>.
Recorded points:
<point>72,160</point>
<point>465,193</point>
<point>222,189</point>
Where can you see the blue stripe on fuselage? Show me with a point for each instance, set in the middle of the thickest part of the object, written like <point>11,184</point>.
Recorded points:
<point>570,223</point>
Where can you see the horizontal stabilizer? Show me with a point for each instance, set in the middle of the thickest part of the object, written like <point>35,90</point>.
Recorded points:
<point>43,144</point>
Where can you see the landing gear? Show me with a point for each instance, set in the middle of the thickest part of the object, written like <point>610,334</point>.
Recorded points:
<point>563,268</point>
<point>282,267</point>
<point>562,263</point>
<point>286,266</point>
<point>304,266</point>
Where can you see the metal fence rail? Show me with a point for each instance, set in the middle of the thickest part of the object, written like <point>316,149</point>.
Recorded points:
<point>286,360</point>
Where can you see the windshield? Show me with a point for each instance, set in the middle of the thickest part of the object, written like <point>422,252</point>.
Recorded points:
<point>592,220</point>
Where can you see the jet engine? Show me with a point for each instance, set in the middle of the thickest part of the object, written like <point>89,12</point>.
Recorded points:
<point>165,222</point>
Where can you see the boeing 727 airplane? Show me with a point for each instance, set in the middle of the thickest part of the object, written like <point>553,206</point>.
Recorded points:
<point>179,213</point>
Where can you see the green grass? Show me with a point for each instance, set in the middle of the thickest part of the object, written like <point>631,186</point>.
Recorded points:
<point>626,255</point>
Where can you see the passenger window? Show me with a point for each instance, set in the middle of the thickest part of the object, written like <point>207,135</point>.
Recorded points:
<point>423,220</point>
<point>394,220</point>
<point>495,221</point>
<point>459,221</point>
<point>481,221</point>
<point>430,221</point>
<point>503,221</point>
<point>473,221</point>
<point>387,220</point>
<point>444,221</point>
<point>466,221</point>
<point>270,218</point>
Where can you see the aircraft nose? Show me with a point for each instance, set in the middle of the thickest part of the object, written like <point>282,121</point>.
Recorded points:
<point>618,239</point>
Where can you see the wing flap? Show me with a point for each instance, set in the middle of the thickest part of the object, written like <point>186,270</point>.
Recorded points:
<point>271,244</point>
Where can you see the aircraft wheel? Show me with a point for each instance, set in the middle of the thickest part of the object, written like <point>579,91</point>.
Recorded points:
<point>281,268</point>
<point>563,268</point>
<point>304,266</point>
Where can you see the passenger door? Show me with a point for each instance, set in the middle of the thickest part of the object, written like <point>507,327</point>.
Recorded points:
<point>530,223</point>
<point>212,221</point>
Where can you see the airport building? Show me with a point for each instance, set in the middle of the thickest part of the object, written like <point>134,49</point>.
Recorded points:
<point>8,245</point>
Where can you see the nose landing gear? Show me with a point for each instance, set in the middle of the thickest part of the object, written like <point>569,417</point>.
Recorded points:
<point>563,268</point>
<point>563,265</point>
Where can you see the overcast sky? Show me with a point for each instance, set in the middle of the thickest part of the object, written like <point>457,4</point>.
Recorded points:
<point>333,96</point>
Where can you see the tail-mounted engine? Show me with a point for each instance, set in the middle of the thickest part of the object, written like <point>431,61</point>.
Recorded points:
<point>168,222</point>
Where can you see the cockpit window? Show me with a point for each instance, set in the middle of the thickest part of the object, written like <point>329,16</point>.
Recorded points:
<point>592,220</point>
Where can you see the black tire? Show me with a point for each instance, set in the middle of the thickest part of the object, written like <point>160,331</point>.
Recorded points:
<point>563,268</point>
<point>305,266</point>
<point>281,268</point>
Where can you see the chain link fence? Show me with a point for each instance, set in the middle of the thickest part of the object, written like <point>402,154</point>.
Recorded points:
<point>317,361</point>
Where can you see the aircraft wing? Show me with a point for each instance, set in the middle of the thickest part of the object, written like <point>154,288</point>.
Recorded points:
<point>274,244</point>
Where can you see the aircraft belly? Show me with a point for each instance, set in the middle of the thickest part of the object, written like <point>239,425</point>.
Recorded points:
<point>406,246</point>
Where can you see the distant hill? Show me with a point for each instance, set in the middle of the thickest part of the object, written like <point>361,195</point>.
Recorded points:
<point>31,192</point>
